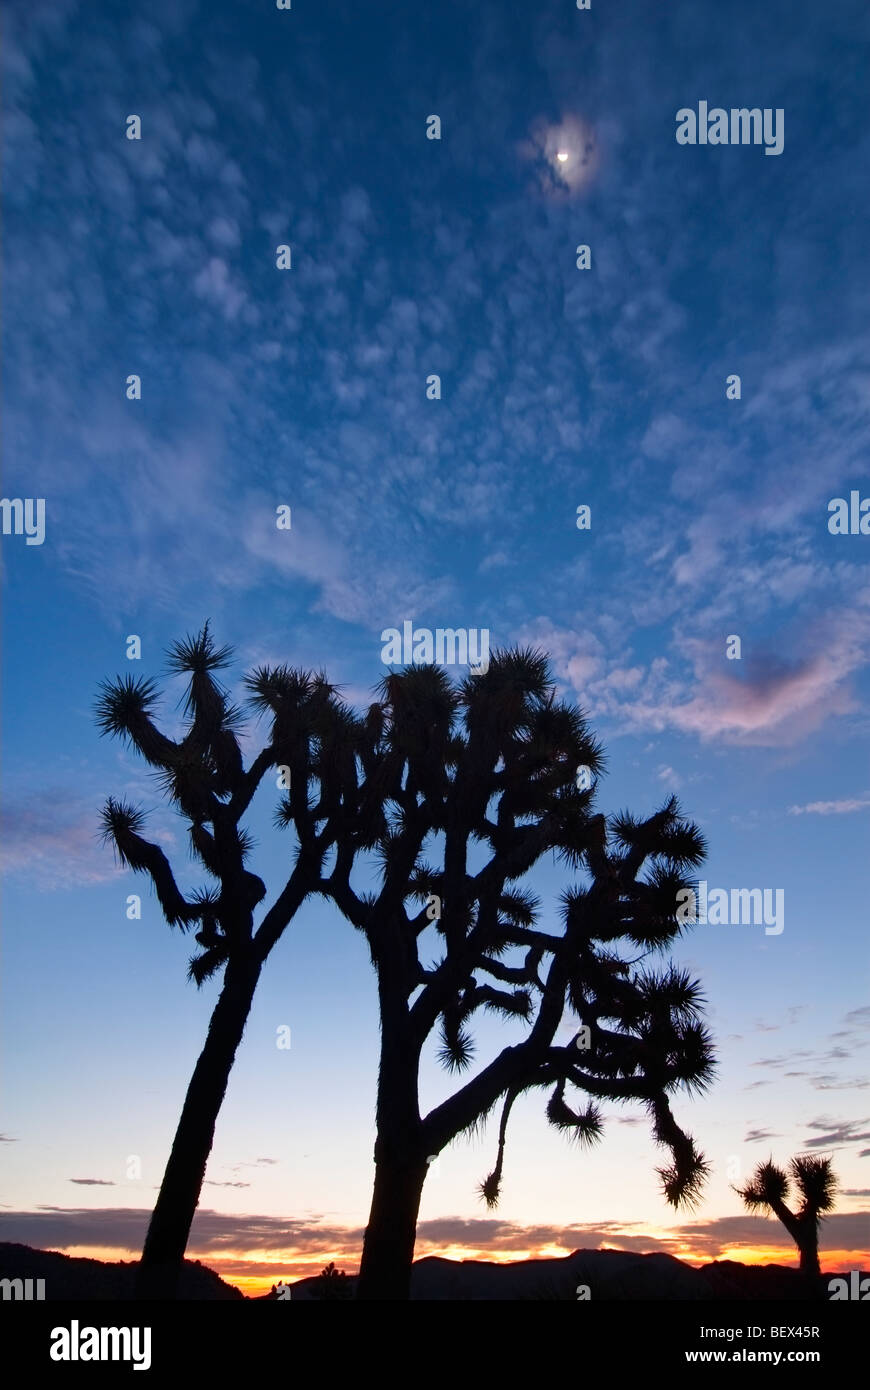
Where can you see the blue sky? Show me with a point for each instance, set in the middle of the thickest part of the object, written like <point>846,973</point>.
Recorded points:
<point>559,387</point>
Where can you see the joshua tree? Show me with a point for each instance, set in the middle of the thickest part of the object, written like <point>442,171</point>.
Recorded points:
<point>486,776</point>
<point>816,1185</point>
<point>332,1283</point>
<point>311,739</point>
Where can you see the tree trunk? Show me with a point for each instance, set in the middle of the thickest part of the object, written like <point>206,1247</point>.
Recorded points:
<point>388,1249</point>
<point>808,1245</point>
<point>169,1228</point>
<point>400,1155</point>
<point>804,1231</point>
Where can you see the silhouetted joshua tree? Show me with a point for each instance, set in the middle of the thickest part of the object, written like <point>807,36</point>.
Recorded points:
<point>485,775</point>
<point>312,738</point>
<point>816,1185</point>
<point>332,1283</point>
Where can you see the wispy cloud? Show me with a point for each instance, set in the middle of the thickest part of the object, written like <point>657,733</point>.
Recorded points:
<point>774,701</point>
<point>52,838</point>
<point>836,1133</point>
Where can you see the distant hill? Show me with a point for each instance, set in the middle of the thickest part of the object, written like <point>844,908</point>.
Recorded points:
<point>609,1274</point>
<point>67,1276</point>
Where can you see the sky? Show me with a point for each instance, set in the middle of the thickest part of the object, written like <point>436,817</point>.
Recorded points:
<point>453,506</point>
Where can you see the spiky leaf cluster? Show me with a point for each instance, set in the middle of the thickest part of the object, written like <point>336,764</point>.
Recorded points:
<point>204,777</point>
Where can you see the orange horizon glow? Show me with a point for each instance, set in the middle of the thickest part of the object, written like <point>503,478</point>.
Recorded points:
<point>245,1271</point>
<point>256,1285</point>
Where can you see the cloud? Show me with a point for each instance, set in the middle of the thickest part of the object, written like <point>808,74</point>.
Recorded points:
<point>565,155</point>
<point>214,284</point>
<point>836,1133</point>
<point>227,1241</point>
<point>827,1081</point>
<point>830,808</point>
<point>225,231</point>
<point>669,777</point>
<point>92,1182</point>
<point>497,559</point>
<point>819,1080</point>
<point>858,1019</point>
<point>754,1136</point>
<point>841,1231</point>
<point>212,1231</point>
<point>52,837</point>
<point>772,700</point>
<point>306,550</point>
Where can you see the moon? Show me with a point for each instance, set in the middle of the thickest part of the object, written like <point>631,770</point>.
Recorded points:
<point>564,154</point>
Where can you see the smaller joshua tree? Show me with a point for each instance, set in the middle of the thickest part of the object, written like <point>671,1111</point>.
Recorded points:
<point>816,1185</point>
<point>332,1283</point>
